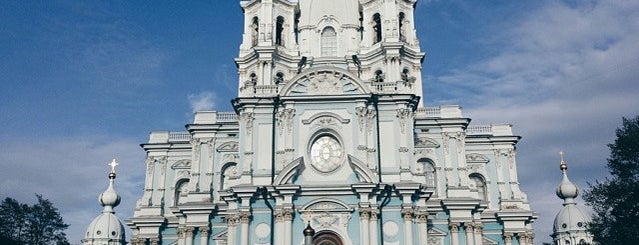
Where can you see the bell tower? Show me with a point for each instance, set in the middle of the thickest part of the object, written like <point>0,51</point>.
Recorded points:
<point>375,40</point>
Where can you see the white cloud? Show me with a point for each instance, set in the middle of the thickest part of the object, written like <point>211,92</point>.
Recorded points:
<point>203,101</point>
<point>71,172</point>
<point>565,76</point>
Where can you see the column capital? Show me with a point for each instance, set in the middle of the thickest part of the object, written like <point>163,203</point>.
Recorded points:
<point>155,241</point>
<point>204,230</point>
<point>232,219</point>
<point>364,213</point>
<point>374,213</point>
<point>454,227</point>
<point>508,237</point>
<point>422,217</point>
<point>245,216</point>
<point>479,228</point>
<point>407,213</point>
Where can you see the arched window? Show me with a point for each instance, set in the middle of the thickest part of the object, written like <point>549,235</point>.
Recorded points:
<point>229,171</point>
<point>327,238</point>
<point>479,183</point>
<point>329,42</point>
<point>181,189</point>
<point>402,17</point>
<point>379,76</point>
<point>255,30</point>
<point>377,27</point>
<point>279,29</point>
<point>279,78</point>
<point>429,172</point>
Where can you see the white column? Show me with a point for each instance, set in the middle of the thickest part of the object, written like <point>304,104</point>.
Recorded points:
<point>470,236</point>
<point>230,234</point>
<point>454,234</point>
<point>180,234</point>
<point>279,227</point>
<point>188,235</point>
<point>422,228</point>
<point>155,241</point>
<point>288,218</point>
<point>478,233</point>
<point>364,219</point>
<point>408,225</point>
<point>372,226</point>
<point>508,238</point>
<point>244,227</point>
<point>204,235</point>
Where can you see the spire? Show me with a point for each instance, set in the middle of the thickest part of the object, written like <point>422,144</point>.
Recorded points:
<point>110,198</point>
<point>566,189</point>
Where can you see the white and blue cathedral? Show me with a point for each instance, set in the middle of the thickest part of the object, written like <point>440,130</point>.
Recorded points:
<point>330,143</point>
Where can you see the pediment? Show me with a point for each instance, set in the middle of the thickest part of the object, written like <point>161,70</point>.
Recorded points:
<point>324,81</point>
<point>182,164</point>
<point>326,205</point>
<point>426,142</point>
<point>475,158</point>
<point>232,146</point>
<point>488,241</point>
<point>433,231</point>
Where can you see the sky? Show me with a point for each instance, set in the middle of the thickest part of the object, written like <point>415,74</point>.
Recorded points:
<point>82,82</point>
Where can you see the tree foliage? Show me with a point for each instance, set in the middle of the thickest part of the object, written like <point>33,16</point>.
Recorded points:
<point>615,200</point>
<point>39,223</point>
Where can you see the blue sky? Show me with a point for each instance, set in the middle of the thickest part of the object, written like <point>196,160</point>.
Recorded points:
<point>83,82</point>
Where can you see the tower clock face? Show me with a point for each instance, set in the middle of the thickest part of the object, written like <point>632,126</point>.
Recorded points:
<point>326,154</point>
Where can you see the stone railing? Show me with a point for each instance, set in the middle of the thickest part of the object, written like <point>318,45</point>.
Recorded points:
<point>227,116</point>
<point>492,130</point>
<point>445,111</point>
<point>479,130</point>
<point>428,112</point>
<point>179,136</point>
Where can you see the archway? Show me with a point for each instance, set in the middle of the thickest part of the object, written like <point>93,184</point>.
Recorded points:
<point>327,238</point>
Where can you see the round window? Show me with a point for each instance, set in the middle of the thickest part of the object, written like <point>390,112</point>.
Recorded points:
<point>326,154</point>
<point>564,225</point>
<point>580,224</point>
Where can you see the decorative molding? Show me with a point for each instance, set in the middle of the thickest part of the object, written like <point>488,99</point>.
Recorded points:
<point>326,114</point>
<point>292,169</point>
<point>426,143</point>
<point>182,164</point>
<point>363,172</point>
<point>232,146</point>
<point>475,158</point>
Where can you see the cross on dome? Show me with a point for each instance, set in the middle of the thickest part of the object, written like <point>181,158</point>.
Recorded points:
<point>113,164</point>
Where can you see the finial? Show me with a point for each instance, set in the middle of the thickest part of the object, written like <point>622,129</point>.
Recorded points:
<point>563,166</point>
<point>309,231</point>
<point>113,164</point>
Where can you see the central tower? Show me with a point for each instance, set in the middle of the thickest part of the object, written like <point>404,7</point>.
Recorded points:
<point>328,132</point>
<point>374,41</point>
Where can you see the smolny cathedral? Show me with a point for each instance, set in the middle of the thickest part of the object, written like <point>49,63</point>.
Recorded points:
<point>329,143</point>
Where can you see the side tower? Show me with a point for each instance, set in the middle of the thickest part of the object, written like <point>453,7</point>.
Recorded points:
<point>571,222</point>
<point>107,229</point>
<point>328,131</point>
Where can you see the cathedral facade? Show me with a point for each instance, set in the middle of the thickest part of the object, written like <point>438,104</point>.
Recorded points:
<point>329,132</point>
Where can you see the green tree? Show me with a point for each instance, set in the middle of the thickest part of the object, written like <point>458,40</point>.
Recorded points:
<point>39,223</point>
<point>615,200</point>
